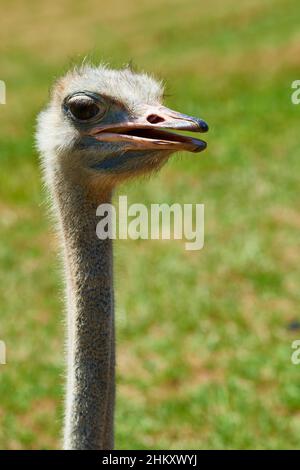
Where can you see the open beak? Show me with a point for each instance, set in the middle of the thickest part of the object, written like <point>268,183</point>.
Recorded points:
<point>152,131</point>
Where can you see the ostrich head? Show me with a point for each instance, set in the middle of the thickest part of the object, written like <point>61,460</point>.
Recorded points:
<point>111,124</point>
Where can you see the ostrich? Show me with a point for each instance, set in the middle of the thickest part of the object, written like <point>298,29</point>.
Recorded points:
<point>100,128</point>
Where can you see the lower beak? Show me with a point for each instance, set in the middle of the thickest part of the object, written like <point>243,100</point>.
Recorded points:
<point>153,131</point>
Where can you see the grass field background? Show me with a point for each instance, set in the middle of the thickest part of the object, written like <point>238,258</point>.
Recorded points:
<point>203,341</point>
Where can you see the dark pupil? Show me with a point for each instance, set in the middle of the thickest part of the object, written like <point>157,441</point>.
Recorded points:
<point>84,110</point>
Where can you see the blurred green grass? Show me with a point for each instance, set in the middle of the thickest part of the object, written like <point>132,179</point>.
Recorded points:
<point>203,345</point>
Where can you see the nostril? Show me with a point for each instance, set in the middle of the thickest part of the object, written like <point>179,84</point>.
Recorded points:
<point>154,119</point>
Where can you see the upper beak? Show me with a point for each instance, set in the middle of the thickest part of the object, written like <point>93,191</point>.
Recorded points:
<point>149,131</point>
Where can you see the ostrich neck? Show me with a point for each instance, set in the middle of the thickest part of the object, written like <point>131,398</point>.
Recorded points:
<point>90,324</point>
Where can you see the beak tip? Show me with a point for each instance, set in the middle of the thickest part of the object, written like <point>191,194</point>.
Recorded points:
<point>200,146</point>
<point>203,126</point>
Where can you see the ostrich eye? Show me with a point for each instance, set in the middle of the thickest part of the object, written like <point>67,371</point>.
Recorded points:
<point>83,108</point>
